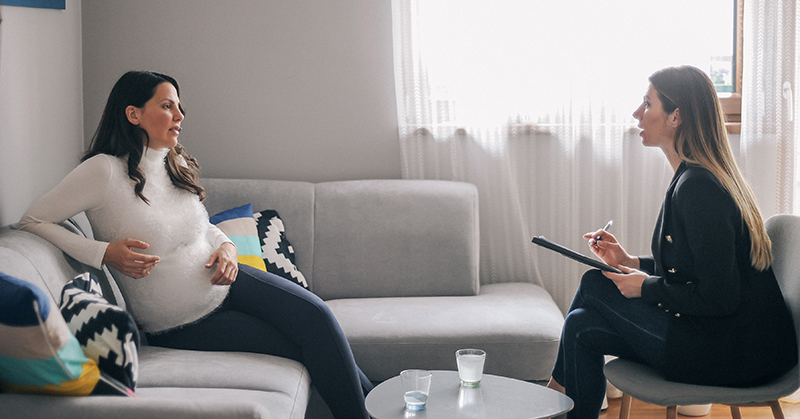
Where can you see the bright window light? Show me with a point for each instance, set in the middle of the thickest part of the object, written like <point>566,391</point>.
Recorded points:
<point>491,61</point>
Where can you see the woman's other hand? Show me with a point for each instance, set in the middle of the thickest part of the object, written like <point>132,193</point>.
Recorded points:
<point>629,283</point>
<point>226,259</point>
<point>609,250</point>
<point>121,256</point>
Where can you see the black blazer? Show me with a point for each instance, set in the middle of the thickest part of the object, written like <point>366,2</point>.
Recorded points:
<point>730,324</point>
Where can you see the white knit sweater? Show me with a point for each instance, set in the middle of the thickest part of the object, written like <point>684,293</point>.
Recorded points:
<point>175,225</point>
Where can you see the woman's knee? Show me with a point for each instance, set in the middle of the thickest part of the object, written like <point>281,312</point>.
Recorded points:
<point>259,287</point>
<point>576,322</point>
<point>595,285</point>
<point>586,329</point>
<point>593,279</point>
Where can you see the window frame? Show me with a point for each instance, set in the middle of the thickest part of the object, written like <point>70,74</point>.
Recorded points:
<point>732,104</point>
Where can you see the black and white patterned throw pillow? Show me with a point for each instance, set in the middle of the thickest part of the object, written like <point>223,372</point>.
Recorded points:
<point>106,332</point>
<point>277,252</point>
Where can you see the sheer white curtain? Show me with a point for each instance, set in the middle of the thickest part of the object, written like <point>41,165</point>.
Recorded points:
<point>531,101</point>
<point>770,115</point>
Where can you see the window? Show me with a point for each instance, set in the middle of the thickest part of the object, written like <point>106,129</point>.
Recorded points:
<point>732,103</point>
<point>488,62</point>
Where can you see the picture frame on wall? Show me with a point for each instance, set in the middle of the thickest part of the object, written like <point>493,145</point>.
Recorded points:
<point>42,4</point>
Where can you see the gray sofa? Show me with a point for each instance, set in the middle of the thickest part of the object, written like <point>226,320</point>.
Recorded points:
<point>397,262</point>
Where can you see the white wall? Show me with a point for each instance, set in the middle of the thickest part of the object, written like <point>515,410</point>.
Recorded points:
<point>278,89</point>
<point>41,116</point>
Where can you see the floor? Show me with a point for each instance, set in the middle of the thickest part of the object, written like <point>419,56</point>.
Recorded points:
<point>641,410</point>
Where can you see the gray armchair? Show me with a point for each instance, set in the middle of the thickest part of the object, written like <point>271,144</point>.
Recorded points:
<point>646,384</point>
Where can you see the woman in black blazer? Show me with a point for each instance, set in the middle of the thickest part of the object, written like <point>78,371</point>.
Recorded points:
<point>705,308</point>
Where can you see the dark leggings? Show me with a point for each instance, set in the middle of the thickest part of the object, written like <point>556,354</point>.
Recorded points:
<point>267,314</point>
<point>601,321</point>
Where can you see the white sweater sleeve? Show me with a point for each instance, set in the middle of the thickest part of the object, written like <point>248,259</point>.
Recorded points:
<point>83,189</point>
<point>216,237</point>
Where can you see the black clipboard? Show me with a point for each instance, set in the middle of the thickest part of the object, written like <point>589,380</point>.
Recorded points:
<point>541,241</point>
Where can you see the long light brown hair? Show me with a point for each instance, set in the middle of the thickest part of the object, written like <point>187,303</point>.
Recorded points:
<point>702,139</point>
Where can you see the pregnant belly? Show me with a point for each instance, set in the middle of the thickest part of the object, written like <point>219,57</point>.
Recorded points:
<point>177,291</point>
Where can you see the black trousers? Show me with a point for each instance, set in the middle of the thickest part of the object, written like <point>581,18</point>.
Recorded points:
<point>267,314</point>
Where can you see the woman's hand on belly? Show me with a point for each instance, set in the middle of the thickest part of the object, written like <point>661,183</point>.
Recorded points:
<point>121,256</point>
<point>226,259</point>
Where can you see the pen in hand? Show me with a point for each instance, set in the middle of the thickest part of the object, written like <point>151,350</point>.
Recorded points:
<point>608,225</point>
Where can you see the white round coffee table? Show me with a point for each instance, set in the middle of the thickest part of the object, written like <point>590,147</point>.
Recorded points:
<point>496,398</point>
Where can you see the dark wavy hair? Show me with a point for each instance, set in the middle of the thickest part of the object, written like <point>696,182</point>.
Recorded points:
<point>116,136</point>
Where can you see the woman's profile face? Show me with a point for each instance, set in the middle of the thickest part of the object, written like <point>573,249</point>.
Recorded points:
<point>658,127</point>
<point>160,117</point>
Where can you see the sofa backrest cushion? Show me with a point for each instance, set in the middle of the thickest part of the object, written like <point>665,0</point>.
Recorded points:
<point>294,201</point>
<point>395,238</point>
<point>370,238</point>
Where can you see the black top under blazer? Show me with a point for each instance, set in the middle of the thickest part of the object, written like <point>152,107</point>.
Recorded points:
<point>730,325</point>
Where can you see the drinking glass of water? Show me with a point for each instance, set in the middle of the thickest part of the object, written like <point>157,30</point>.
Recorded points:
<point>470,366</point>
<point>416,386</point>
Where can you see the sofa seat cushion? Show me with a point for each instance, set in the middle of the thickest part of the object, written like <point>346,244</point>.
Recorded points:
<point>159,403</point>
<point>519,322</point>
<point>280,385</point>
<point>248,403</point>
<point>163,367</point>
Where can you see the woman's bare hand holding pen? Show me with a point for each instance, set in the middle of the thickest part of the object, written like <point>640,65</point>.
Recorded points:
<point>607,248</point>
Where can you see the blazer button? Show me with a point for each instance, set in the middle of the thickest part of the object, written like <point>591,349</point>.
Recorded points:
<point>677,314</point>
<point>672,271</point>
<point>669,238</point>
<point>660,305</point>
